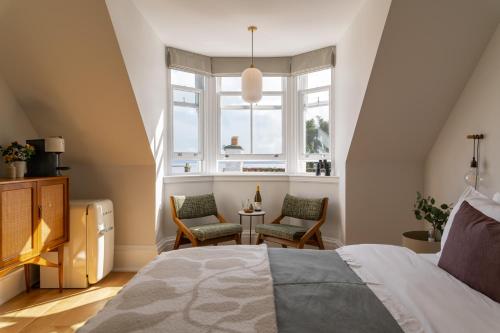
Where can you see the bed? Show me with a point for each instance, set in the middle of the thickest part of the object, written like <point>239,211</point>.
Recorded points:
<point>358,288</point>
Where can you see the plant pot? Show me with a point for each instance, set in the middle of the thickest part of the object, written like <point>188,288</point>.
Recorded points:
<point>418,242</point>
<point>20,168</point>
<point>11,171</point>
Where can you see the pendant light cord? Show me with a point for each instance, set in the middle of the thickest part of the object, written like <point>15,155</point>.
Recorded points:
<point>477,169</point>
<point>252,48</point>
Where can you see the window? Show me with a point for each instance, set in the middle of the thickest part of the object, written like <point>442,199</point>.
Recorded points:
<point>251,132</point>
<point>314,96</point>
<point>211,129</point>
<point>186,121</point>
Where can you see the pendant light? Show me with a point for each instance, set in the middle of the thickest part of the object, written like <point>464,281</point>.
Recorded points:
<point>251,79</point>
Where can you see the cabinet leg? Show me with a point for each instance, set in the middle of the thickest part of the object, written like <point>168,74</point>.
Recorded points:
<point>27,277</point>
<point>60,260</point>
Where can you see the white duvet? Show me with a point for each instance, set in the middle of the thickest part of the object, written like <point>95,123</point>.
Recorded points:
<point>421,296</point>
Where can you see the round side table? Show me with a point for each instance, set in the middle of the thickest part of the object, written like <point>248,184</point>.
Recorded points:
<point>252,214</point>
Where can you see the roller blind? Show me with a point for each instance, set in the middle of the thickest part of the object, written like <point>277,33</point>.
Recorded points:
<point>219,66</point>
<point>188,61</point>
<point>234,66</point>
<point>313,60</point>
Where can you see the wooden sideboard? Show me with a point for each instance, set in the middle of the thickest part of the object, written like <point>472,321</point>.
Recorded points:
<point>34,219</point>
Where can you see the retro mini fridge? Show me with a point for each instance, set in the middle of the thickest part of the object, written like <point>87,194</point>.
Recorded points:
<point>88,256</point>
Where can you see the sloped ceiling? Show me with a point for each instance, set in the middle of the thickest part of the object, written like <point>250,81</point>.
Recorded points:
<point>63,63</point>
<point>427,52</point>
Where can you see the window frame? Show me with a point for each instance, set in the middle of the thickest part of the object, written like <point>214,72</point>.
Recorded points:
<point>252,157</point>
<point>303,157</point>
<point>201,109</point>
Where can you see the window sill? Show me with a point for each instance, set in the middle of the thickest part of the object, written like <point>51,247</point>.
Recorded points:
<point>265,177</point>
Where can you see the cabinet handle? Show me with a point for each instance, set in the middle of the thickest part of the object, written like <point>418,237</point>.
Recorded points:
<point>40,211</point>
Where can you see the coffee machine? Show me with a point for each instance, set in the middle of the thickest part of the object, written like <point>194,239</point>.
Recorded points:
<point>47,159</point>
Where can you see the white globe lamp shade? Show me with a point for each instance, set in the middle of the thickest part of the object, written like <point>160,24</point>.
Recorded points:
<point>251,85</point>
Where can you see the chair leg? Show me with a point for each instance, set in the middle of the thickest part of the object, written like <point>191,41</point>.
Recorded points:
<point>260,240</point>
<point>320,241</point>
<point>177,240</point>
<point>238,239</point>
<point>284,246</point>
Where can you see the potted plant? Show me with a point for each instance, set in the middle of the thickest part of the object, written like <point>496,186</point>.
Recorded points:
<point>426,209</point>
<point>17,155</point>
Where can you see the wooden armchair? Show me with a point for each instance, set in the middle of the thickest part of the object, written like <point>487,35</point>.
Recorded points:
<point>190,207</point>
<point>291,235</point>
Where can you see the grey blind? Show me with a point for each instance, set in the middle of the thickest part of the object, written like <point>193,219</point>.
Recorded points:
<point>219,66</point>
<point>234,66</point>
<point>188,61</point>
<point>314,60</point>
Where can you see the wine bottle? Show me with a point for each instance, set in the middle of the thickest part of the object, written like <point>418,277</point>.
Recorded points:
<point>257,200</point>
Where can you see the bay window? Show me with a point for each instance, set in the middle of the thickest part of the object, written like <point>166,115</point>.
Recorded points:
<point>212,129</point>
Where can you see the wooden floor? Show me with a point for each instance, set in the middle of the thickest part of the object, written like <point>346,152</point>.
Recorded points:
<point>47,310</point>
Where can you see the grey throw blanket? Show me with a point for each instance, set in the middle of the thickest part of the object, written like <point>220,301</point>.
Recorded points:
<point>316,291</point>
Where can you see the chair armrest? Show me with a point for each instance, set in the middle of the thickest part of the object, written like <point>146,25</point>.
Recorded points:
<point>220,218</point>
<point>278,220</point>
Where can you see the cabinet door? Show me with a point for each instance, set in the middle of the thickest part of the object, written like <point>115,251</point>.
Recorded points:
<point>53,210</point>
<point>18,216</point>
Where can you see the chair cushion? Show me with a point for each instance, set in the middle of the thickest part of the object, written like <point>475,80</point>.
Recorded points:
<point>302,208</point>
<point>190,207</point>
<point>215,230</point>
<point>283,231</point>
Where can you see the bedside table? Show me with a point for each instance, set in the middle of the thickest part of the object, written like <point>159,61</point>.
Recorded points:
<point>417,241</point>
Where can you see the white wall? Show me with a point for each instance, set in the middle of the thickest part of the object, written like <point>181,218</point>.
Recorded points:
<point>63,62</point>
<point>14,126</point>
<point>354,60</point>
<point>476,111</point>
<point>230,191</point>
<point>144,56</point>
<point>426,54</point>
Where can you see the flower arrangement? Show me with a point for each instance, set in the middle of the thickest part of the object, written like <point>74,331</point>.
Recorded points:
<point>437,216</point>
<point>17,152</point>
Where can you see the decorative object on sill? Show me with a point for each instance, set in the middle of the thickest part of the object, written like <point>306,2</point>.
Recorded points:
<point>233,148</point>
<point>318,168</point>
<point>473,177</point>
<point>187,167</point>
<point>47,161</point>
<point>257,200</point>
<point>328,170</point>
<point>251,79</point>
<point>17,155</point>
<point>325,166</point>
<point>425,209</point>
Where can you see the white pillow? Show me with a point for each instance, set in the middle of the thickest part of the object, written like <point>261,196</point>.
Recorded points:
<point>477,200</point>
<point>496,197</point>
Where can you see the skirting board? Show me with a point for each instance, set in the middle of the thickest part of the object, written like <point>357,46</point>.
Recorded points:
<point>12,285</point>
<point>131,258</point>
<point>167,244</point>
